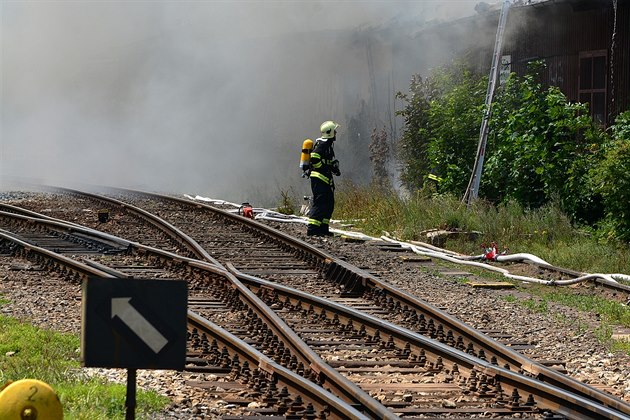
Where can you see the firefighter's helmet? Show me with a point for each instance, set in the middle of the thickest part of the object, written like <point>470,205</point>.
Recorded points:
<point>328,129</point>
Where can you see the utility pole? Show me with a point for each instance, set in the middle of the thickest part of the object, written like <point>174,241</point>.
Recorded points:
<point>472,191</point>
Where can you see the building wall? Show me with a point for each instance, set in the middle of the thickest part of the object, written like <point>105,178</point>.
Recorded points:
<point>561,33</point>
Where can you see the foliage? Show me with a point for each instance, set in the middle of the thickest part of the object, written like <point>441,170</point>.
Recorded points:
<point>611,179</point>
<point>454,120</point>
<point>442,117</point>
<point>546,231</point>
<point>414,140</point>
<point>287,202</point>
<point>621,129</point>
<point>608,311</point>
<point>29,352</point>
<point>541,148</point>
<point>613,312</point>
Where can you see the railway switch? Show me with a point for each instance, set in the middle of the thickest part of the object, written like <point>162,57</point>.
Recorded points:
<point>29,399</point>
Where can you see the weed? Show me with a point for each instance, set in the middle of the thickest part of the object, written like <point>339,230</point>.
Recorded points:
<point>621,346</point>
<point>546,232</point>
<point>535,305</point>
<point>287,202</point>
<point>510,298</point>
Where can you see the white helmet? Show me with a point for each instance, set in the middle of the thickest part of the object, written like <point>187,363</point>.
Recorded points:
<point>328,129</point>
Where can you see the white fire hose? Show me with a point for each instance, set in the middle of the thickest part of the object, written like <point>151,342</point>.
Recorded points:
<point>432,251</point>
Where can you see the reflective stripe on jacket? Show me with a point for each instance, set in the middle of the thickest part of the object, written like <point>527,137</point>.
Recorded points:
<point>322,177</point>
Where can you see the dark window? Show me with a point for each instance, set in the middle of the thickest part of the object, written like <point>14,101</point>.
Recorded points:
<point>599,73</point>
<point>586,73</point>
<point>592,83</point>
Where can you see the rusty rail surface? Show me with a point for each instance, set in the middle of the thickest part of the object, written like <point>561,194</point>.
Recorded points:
<point>322,400</point>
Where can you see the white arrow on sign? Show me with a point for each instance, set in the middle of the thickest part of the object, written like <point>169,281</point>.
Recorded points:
<point>138,324</point>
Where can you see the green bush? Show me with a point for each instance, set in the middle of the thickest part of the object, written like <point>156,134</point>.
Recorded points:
<point>541,148</point>
<point>611,179</point>
<point>442,116</point>
<point>413,144</point>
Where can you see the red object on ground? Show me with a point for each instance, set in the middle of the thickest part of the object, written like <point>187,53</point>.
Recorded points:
<point>491,253</point>
<point>247,210</point>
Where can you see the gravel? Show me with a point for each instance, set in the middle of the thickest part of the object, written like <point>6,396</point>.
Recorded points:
<point>559,332</point>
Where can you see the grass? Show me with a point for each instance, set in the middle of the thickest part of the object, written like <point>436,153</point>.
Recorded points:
<point>30,352</point>
<point>610,313</point>
<point>535,305</point>
<point>545,232</point>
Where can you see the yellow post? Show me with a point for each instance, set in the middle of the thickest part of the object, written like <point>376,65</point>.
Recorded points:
<point>29,399</point>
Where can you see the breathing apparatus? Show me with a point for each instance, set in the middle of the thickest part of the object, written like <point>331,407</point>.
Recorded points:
<point>305,158</point>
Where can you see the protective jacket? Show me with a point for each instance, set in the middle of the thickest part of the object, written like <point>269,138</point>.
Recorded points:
<point>323,167</point>
<point>323,162</point>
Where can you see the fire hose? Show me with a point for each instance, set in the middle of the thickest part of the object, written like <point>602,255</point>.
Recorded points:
<point>432,251</point>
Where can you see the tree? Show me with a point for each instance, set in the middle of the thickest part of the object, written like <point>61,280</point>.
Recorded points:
<point>611,179</point>
<point>379,156</point>
<point>541,147</point>
<point>442,117</point>
<point>414,141</point>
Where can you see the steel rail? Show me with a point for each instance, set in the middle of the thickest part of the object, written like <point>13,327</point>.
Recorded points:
<point>317,395</point>
<point>550,397</point>
<point>24,212</point>
<point>331,378</point>
<point>295,382</point>
<point>28,249</point>
<point>510,356</point>
<point>170,230</point>
<point>356,279</point>
<point>69,228</point>
<point>91,265</point>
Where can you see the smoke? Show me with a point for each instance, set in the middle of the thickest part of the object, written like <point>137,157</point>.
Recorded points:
<point>204,97</point>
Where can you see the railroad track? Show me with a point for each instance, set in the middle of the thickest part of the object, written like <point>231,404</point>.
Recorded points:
<point>283,392</point>
<point>210,295</point>
<point>352,286</point>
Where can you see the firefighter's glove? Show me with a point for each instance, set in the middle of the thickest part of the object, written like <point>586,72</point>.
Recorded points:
<point>335,168</point>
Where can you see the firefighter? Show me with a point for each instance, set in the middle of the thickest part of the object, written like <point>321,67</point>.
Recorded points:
<point>323,166</point>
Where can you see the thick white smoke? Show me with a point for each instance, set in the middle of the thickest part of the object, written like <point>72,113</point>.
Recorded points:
<point>210,97</point>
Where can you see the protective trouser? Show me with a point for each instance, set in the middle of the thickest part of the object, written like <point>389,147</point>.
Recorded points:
<point>322,207</point>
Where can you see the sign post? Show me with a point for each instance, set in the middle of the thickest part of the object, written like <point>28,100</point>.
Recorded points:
<point>134,324</point>
<point>130,397</point>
